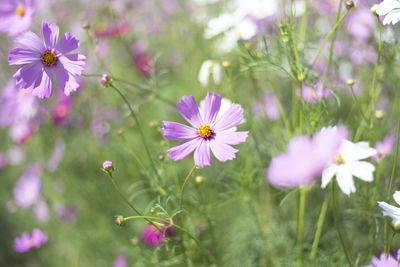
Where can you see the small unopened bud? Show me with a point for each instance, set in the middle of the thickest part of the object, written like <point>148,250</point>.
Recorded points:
<point>349,4</point>
<point>379,114</point>
<point>106,81</point>
<point>120,132</point>
<point>226,64</point>
<point>152,124</point>
<point>373,9</point>
<point>108,166</point>
<point>86,25</point>
<point>120,221</point>
<point>161,157</point>
<point>199,179</point>
<point>152,210</point>
<point>135,241</point>
<point>350,82</point>
<point>396,225</point>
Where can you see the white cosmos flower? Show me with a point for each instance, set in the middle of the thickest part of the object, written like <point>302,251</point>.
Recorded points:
<point>209,67</point>
<point>389,210</point>
<point>348,164</point>
<point>390,8</point>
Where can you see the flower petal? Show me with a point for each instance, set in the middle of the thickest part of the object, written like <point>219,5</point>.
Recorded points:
<point>66,81</point>
<point>29,75</point>
<point>21,56</point>
<point>190,111</point>
<point>396,197</point>
<point>30,41</point>
<point>183,150</point>
<point>232,117</point>
<point>45,89</point>
<point>328,174</point>
<point>389,210</point>
<point>202,156</point>
<point>50,34</point>
<point>387,6</point>
<point>232,138</point>
<point>357,151</point>
<point>222,151</point>
<point>212,104</point>
<point>73,63</point>
<point>67,43</point>
<point>345,180</point>
<point>361,169</point>
<point>177,131</point>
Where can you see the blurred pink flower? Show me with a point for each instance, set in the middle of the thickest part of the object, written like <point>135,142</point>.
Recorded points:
<point>16,16</point>
<point>121,261</point>
<point>27,190</point>
<point>27,242</point>
<point>385,261</point>
<point>384,148</point>
<point>152,237</point>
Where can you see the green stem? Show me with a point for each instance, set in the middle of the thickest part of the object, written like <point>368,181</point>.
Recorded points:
<point>139,127</point>
<point>300,237</point>
<point>373,89</point>
<point>320,225</point>
<point>338,226</point>
<point>390,244</point>
<point>321,46</point>
<point>183,186</point>
<point>396,155</point>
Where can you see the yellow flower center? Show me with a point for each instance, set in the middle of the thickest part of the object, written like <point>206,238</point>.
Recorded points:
<point>338,159</point>
<point>20,11</point>
<point>205,131</point>
<point>49,58</point>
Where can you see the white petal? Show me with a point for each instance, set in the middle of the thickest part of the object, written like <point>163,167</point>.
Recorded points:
<point>387,6</point>
<point>361,169</point>
<point>396,197</point>
<point>345,180</point>
<point>389,210</point>
<point>205,72</point>
<point>392,17</point>
<point>328,174</point>
<point>354,152</point>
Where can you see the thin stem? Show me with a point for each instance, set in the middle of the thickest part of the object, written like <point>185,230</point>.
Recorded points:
<point>183,186</point>
<point>373,89</point>
<point>338,226</point>
<point>320,225</point>
<point>139,127</point>
<point>396,155</point>
<point>321,46</point>
<point>122,195</point>
<point>300,237</point>
<point>390,244</point>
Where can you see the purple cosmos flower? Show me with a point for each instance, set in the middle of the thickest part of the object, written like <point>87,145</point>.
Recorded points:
<point>313,94</point>
<point>384,148</point>
<point>44,59</point>
<point>27,242</point>
<point>121,261</point>
<point>385,261</point>
<point>61,109</point>
<point>209,131</point>
<point>41,210</point>
<point>305,158</point>
<point>152,237</point>
<point>27,189</point>
<point>16,16</point>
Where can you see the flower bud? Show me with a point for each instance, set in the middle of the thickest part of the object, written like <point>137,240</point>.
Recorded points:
<point>135,241</point>
<point>108,166</point>
<point>106,81</point>
<point>161,157</point>
<point>152,124</point>
<point>349,4</point>
<point>379,113</point>
<point>120,132</point>
<point>226,64</point>
<point>152,211</point>
<point>350,82</point>
<point>396,225</point>
<point>86,25</point>
<point>373,9</point>
<point>199,179</point>
<point>120,221</point>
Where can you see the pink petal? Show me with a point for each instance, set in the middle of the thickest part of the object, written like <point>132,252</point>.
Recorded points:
<point>45,89</point>
<point>189,110</point>
<point>183,150</point>
<point>222,152</point>
<point>67,44</point>
<point>232,117</point>
<point>50,34</point>
<point>66,81</point>
<point>73,63</point>
<point>202,156</point>
<point>29,75</point>
<point>177,131</point>
<point>212,104</point>
<point>30,41</point>
<point>21,56</point>
<point>232,138</point>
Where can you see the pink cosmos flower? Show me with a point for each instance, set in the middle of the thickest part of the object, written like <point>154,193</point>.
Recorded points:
<point>27,242</point>
<point>384,148</point>
<point>16,16</point>
<point>385,261</point>
<point>305,158</point>
<point>121,261</point>
<point>27,190</point>
<point>209,130</point>
<point>43,59</point>
<point>152,237</point>
<point>313,94</point>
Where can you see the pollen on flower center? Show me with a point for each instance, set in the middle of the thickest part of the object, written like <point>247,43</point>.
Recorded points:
<point>205,131</point>
<point>20,11</point>
<point>338,159</point>
<point>49,58</point>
